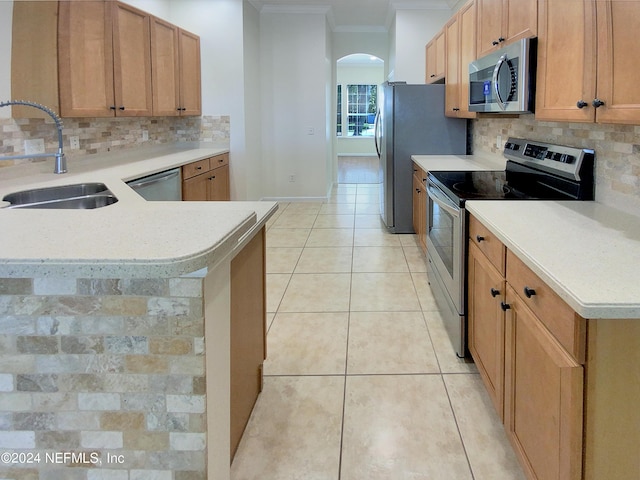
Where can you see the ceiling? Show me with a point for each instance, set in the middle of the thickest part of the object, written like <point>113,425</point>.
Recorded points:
<point>353,15</point>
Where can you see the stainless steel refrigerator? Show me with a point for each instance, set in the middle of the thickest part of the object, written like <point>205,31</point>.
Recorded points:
<point>410,121</point>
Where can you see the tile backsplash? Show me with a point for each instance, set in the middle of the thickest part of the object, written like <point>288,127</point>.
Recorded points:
<point>617,150</point>
<point>99,135</point>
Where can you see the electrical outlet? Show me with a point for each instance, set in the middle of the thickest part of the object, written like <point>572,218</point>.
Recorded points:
<point>499,141</point>
<point>292,178</point>
<point>145,135</point>
<point>34,146</point>
<point>311,131</point>
<point>74,142</point>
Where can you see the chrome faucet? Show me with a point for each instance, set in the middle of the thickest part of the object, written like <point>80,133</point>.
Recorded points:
<point>61,161</point>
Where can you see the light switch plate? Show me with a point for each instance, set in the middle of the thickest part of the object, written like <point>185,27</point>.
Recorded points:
<point>74,142</point>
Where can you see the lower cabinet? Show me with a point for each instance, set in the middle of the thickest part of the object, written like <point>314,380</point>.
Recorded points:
<point>566,387</point>
<point>206,180</point>
<point>248,333</point>
<point>543,397</point>
<point>420,206</point>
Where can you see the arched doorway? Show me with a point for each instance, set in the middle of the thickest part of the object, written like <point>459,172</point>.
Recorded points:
<point>357,79</point>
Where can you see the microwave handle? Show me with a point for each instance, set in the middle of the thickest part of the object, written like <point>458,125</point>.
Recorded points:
<point>496,70</point>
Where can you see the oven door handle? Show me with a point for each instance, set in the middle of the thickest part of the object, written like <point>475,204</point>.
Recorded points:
<point>442,200</point>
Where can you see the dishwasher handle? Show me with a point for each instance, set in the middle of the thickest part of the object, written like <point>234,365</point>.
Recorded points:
<point>152,179</point>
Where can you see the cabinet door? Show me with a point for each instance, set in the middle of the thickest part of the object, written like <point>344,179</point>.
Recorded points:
<point>566,60</point>
<point>543,397</point>
<point>248,333</point>
<point>489,25</point>
<point>190,94</point>
<point>164,67</point>
<point>219,183</point>
<point>131,61</point>
<point>520,19</point>
<point>467,21</point>
<point>452,71</point>
<point>435,56</point>
<point>486,291</point>
<point>196,188</point>
<point>85,59</point>
<point>618,52</point>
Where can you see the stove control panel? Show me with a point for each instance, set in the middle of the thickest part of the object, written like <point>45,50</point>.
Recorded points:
<point>557,159</point>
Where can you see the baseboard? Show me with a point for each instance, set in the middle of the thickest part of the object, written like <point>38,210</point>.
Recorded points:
<point>294,199</point>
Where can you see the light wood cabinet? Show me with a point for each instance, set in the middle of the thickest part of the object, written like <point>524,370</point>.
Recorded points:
<point>104,60</point>
<point>569,385</point>
<point>420,206</point>
<point>175,55</point>
<point>248,332</point>
<point>586,67</point>
<point>461,50</point>
<point>435,52</point>
<point>543,397</point>
<point>486,295</point>
<point>206,180</point>
<point>501,22</point>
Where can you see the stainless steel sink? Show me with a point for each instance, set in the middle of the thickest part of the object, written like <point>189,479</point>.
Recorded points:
<point>77,196</point>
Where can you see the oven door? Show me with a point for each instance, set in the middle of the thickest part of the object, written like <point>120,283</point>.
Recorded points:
<point>445,239</point>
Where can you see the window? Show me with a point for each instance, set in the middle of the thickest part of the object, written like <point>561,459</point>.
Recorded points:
<point>361,104</point>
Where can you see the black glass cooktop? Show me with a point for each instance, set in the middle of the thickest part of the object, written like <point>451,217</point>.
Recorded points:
<point>510,184</point>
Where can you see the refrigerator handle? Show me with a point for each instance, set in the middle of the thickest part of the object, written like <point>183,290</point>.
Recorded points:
<point>376,125</point>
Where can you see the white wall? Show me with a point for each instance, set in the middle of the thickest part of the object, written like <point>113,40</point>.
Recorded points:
<point>413,30</point>
<point>294,77</point>
<point>6,15</point>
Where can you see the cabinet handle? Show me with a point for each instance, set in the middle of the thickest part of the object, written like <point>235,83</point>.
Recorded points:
<point>479,238</point>
<point>501,39</point>
<point>582,104</point>
<point>495,292</point>
<point>121,107</point>
<point>433,75</point>
<point>529,292</point>
<point>211,178</point>
<point>198,168</point>
<point>181,109</point>
<point>504,306</point>
<point>424,179</point>
<point>456,109</point>
<point>495,42</point>
<point>597,102</point>
<point>112,107</point>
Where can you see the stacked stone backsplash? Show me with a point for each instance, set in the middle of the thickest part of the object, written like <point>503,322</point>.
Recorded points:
<point>99,135</point>
<point>102,379</point>
<point>617,150</point>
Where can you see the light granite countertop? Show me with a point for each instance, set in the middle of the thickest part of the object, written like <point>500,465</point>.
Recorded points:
<point>478,161</point>
<point>132,237</point>
<point>588,253</point>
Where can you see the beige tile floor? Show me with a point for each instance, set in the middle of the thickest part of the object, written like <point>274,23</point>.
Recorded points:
<point>361,381</point>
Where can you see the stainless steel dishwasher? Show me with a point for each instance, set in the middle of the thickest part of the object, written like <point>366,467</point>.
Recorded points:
<point>162,186</point>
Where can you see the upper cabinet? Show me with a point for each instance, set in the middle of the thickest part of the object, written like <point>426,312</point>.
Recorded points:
<point>435,58</point>
<point>461,50</point>
<point>175,55</point>
<point>104,60</point>
<point>504,21</point>
<point>109,60</point>
<point>586,66</point>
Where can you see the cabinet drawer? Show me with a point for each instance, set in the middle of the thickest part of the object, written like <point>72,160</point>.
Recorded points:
<point>488,244</point>
<point>563,323</point>
<point>196,168</point>
<point>219,161</point>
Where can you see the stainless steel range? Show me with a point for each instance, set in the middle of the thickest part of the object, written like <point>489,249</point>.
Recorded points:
<point>534,171</point>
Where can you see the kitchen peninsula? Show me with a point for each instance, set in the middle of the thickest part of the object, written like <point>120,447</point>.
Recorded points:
<point>115,324</point>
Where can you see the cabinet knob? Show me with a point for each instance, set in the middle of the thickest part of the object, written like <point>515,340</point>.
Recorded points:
<point>529,292</point>
<point>582,104</point>
<point>479,238</point>
<point>495,292</point>
<point>504,306</point>
<point>597,102</point>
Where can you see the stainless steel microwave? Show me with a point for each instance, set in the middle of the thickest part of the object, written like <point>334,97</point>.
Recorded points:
<point>504,81</point>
